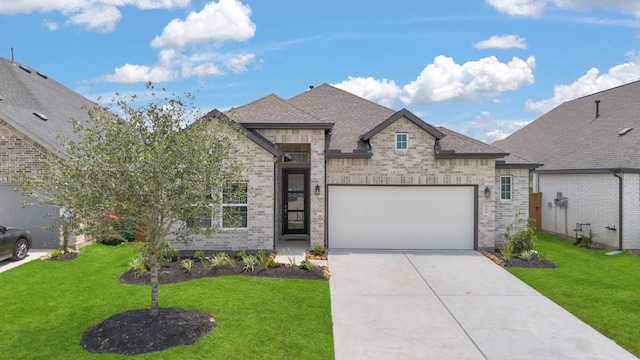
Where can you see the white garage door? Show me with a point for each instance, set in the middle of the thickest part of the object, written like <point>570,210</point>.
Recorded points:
<point>401,217</point>
<point>32,217</point>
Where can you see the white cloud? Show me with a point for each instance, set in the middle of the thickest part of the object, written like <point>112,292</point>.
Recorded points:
<point>130,73</point>
<point>446,81</point>
<point>589,83</point>
<point>502,42</point>
<point>537,7</point>
<point>217,22</point>
<point>51,25</point>
<point>488,130</point>
<point>92,14</point>
<point>238,63</point>
<point>519,7</point>
<point>383,92</point>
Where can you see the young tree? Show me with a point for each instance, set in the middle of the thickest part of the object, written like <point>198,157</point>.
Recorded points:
<point>156,167</point>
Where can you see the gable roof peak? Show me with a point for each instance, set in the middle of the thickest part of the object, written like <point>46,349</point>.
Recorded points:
<point>438,135</point>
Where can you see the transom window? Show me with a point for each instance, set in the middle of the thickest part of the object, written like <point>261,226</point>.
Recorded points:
<point>402,141</point>
<point>505,188</point>
<point>297,157</point>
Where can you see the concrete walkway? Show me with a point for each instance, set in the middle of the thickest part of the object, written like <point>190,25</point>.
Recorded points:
<point>31,255</point>
<point>449,305</point>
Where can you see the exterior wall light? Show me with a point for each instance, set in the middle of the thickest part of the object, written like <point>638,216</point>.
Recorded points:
<point>487,192</point>
<point>317,189</point>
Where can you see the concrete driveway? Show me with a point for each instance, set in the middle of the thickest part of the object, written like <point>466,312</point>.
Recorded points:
<point>449,305</point>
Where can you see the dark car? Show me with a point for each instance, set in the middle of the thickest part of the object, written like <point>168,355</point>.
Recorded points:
<point>14,243</point>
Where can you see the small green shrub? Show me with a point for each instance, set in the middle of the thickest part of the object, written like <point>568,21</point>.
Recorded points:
<point>250,262</point>
<point>172,254</point>
<point>273,264</point>
<point>263,258</point>
<point>587,240</point>
<point>56,253</point>
<point>187,264</point>
<point>138,264</point>
<point>199,255</point>
<point>507,251</point>
<point>307,265</point>
<point>241,254</point>
<point>527,254</point>
<point>318,250</point>
<point>521,236</point>
<point>541,257</point>
<point>219,261</point>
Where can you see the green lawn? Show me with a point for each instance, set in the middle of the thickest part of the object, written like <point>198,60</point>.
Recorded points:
<point>46,306</point>
<point>601,290</point>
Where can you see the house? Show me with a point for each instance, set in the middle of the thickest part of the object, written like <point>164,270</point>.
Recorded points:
<point>330,168</point>
<point>34,110</point>
<point>590,180</point>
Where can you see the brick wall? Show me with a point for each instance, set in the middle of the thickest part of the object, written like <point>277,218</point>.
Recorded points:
<point>18,154</point>
<point>260,220</point>
<point>592,198</point>
<point>506,211</point>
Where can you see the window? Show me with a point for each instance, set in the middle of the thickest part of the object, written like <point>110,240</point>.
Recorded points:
<point>402,141</point>
<point>505,188</point>
<point>233,212</point>
<point>297,157</point>
<point>234,207</point>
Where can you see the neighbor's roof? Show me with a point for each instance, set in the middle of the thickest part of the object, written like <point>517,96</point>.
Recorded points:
<point>570,138</point>
<point>38,106</point>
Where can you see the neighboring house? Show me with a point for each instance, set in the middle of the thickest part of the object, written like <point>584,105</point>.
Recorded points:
<point>330,168</point>
<point>590,149</point>
<point>34,109</point>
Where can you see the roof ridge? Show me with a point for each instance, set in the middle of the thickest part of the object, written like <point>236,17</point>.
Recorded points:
<point>344,91</point>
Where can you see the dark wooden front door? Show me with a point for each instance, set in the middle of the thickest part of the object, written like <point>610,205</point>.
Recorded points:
<point>295,204</point>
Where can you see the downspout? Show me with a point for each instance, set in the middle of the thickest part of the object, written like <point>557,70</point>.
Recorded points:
<point>275,201</point>
<point>619,208</point>
<point>326,205</point>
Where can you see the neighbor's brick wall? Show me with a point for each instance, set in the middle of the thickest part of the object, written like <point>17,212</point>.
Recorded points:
<point>260,220</point>
<point>18,154</point>
<point>592,198</point>
<point>418,166</point>
<point>506,211</point>
<point>316,139</point>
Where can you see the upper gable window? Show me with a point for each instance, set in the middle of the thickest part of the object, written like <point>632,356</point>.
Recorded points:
<point>402,141</point>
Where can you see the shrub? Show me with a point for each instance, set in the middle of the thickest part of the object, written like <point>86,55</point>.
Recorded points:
<point>250,262</point>
<point>263,258</point>
<point>138,264</point>
<point>199,255</point>
<point>307,264</point>
<point>241,254</point>
<point>507,251</point>
<point>318,250</point>
<point>187,264</point>
<point>56,253</point>
<point>527,254</point>
<point>521,236</point>
<point>172,254</point>
<point>220,260</point>
<point>587,240</point>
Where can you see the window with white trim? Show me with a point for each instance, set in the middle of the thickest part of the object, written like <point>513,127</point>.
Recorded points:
<point>234,207</point>
<point>402,141</point>
<point>506,188</point>
<point>233,214</point>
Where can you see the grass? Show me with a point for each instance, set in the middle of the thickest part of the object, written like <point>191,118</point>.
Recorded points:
<point>47,305</point>
<point>601,290</point>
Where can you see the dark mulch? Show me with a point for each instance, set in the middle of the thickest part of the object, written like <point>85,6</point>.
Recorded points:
<point>137,332</point>
<point>69,255</point>
<point>173,272</point>
<point>532,263</point>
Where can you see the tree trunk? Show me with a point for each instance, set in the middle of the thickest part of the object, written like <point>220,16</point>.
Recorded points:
<point>153,263</point>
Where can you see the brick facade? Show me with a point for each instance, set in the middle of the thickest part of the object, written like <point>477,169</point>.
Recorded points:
<point>18,154</point>
<point>583,207</point>
<point>506,211</point>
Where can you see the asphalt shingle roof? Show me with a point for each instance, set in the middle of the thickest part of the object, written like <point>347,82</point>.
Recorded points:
<point>24,91</point>
<point>570,137</point>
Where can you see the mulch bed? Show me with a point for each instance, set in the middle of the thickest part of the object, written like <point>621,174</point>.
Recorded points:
<point>173,272</point>
<point>516,261</point>
<point>137,332</point>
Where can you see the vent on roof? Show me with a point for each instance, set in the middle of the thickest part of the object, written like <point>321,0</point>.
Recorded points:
<point>624,131</point>
<point>42,75</point>
<point>41,116</point>
<point>25,68</point>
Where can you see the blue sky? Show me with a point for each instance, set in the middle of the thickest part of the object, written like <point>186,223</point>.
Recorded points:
<point>482,68</point>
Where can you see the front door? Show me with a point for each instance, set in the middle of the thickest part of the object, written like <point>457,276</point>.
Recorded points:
<point>296,201</point>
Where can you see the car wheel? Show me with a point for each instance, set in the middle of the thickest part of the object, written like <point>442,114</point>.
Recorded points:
<point>20,249</point>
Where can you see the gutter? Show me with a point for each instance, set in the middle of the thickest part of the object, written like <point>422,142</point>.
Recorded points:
<point>615,173</point>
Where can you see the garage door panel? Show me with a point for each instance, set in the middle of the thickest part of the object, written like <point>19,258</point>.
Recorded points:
<point>395,217</point>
